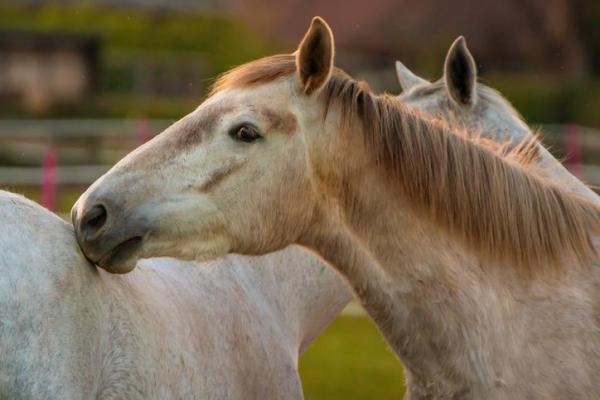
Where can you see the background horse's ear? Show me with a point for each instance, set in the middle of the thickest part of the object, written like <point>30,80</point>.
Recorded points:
<point>314,57</point>
<point>407,78</point>
<point>460,73</point>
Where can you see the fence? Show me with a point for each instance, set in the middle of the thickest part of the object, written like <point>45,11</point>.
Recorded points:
<point>50,154</point>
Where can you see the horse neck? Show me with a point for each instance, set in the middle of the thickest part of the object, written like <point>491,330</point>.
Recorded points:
<point>307,294</point>
<point>408,285</point>
<point>432,299</point>
<point>455,325</point>
<point>358,234</point>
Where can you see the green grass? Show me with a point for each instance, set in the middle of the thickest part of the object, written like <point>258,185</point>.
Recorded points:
<point>351,361</point>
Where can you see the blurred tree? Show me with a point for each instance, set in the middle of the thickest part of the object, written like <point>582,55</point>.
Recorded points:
<point>226,38</point>
<point>510,35</point>
<point>587,22</point>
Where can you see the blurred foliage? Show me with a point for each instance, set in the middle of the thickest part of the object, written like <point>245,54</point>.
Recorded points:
<point>225,41</point>
<point>225,38</point>
<point>587,14</point>
<point>351,361</point>
<point>549,100</point>
<point>110,105</point>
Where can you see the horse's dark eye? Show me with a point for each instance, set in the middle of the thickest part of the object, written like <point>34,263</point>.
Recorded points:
<point>245,133</point>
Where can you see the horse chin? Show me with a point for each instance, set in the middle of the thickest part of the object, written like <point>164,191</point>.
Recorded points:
<point>123,258</point>
<point>120,268</point>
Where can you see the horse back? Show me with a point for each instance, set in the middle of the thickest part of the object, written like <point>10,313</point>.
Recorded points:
<point>48,305</point>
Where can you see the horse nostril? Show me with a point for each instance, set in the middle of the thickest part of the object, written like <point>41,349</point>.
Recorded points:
<point>93,221</point>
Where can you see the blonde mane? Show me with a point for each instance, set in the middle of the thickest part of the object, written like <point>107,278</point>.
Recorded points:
<point>491,198</point>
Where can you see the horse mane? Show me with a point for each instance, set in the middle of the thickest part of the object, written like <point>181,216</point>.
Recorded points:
<point>490,198</point>
<point>263,70</point>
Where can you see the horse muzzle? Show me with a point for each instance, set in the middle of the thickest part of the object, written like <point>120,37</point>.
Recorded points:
<point>109,236</point>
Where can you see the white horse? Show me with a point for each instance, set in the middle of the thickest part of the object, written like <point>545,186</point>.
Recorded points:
<point>227,329</point>
<point>459,97</point>
<point>479,270</point>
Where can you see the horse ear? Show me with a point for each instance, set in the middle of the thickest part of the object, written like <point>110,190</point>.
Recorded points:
<point>407,78</point>
<point>460,73</point>
<point>314,57</point>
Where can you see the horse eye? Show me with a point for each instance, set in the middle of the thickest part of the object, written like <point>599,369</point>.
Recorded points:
<point>245,133</point>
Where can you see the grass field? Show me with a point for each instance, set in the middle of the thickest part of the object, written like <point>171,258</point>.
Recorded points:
<point>351,361</point>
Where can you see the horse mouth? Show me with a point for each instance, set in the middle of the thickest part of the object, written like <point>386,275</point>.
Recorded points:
<point>121,259</point>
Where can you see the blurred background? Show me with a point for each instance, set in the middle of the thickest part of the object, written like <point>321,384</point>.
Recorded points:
<point>82,83</point>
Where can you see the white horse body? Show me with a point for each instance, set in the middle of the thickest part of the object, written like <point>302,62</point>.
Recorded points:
<point>170,329</point>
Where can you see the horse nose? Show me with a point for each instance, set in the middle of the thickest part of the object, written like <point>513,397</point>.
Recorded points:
<point>109,235</point>
<point>90,222</point>
<point>93,222</point>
